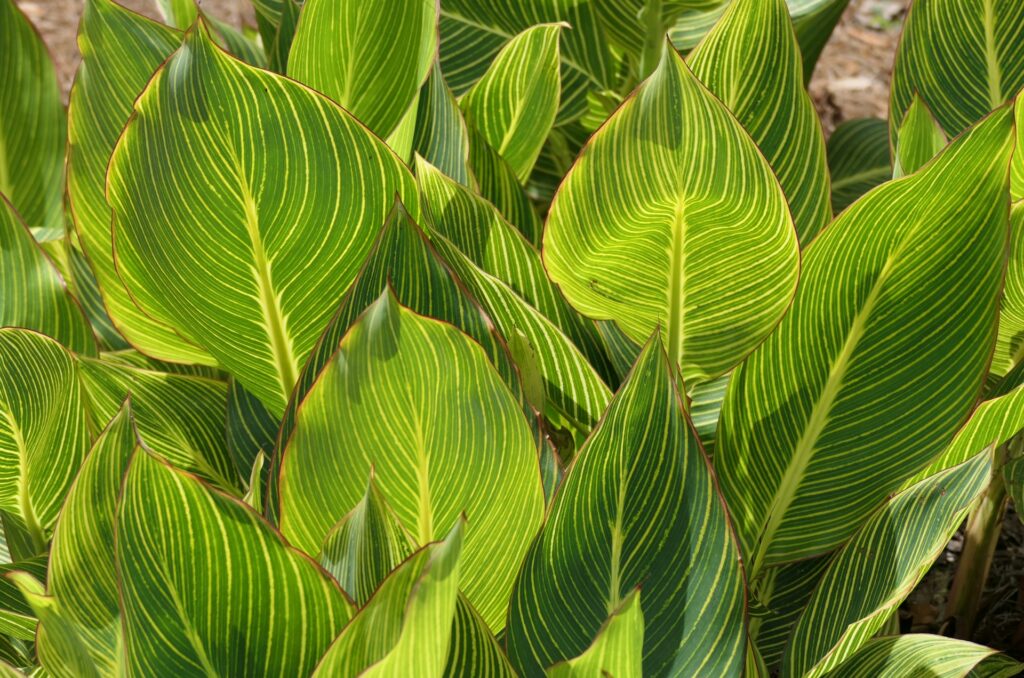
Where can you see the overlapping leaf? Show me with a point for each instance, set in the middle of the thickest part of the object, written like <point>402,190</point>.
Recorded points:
<point>441,135</point>
<point>672,217</point>
<point>259,192</point>
<point>473,650</point>
<point>639,506</point>
<point>1010,344</point>
<point>617,650</point>
<point>858,158</point>
<point>918,654</point>
<point>918,140</point>
<point>895,314</point>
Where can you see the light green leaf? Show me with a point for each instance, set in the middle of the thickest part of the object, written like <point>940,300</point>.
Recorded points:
<point>295,187</point>
<point>919,654</point>
<point>272,613</point>
<point>120,51</point>
<point>750,60</point>
<point>498,184</point>
<point>918,140</point>
<point>178,13</point>
<point>638,506</point>
<point>254,493</point>
<point>1017,166</point>
<point>617,651</point>
<point>370,57</point>
<point>395,397</point>
<point>43,433</point>
<point>61,634</point>
<point>404,630</point>
<point>1010,344</point>
<point>514,104</point>
<point>705,408</point>
<point>34,295</point>
<point>858,158</point>
<point>180,417</point>
<point>32,125</point>
<point>17,619</point>
<point>473,650</point>
<point>897,305</point>
<point>883,561</point>
<point>649,229</point>
<point>441,135</point>
<point>365,545</point>
<point>963,58</point>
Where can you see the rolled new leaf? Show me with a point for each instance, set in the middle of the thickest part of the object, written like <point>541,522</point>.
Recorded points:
<point>618,649</point>
<point>33,294</point>
<point>271,224</point>
<point>638,507</point>
<point>272,613</point>
<point>917,654</point>
<point>370,57</point>
<point>751,61</point>
<point>671,217</point>
<point>891,331</point>
<point>919,139</point>
<point>43,430</point>
<point>858,158</point>
<point>419,402</point>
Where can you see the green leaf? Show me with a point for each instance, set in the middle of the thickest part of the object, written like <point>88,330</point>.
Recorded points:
<point>405,628</point>
<point>1017,166</point>
<point>883,561</point>
<point>251,429</point>
<point>1010,344</point>
<point>919,654</point>
<point>897,305</point>
<point>43,433</point>
<point>272,613</point>
<point>636,231</point>
<point>706,407</point>
<point>750,60</point>
<point>365,545</point>
<point>17,619</point>
<point>858,158</point>
<point>370,57</point>
<point>289,238</point>
<point>441,135</point>
<point>918,140</point>
<point>638,507</point>
<point>62,636</point>
<point>394,397</point>
<point>498,184</point>
<point>964,58</point>
<point>180,417</point>
<point>33,292</point>
<point>178,13</point>
<point>515,102</point>
<point>120,51</point>
<point>782,594</point>
<point>82,284</point>
<point>32,125</point>
<point>473,651</point>
<point>254,493</point>
<point>618,649</point>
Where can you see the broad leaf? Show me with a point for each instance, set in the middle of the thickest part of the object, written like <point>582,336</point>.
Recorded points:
<point>394,397</point>
<point>34,295</point>
<point>32,126</point>
<point>918,140</point>
<point>43,430</point>
<point>638,507</point>
<point>441,135</point>
<point>618,649</point>
<point>370,57</point>
<point>514,104</point>
<point>296,187</point>
<point>61,634</point>
<point>858,158</point>
<point>750,60</point>
<point>251,429</point>
<point>919,654</point>
<point>781,595</point>
<point>405,628</point>
<point>883,561</point>
<point>895,314</point>
<point>672,218</point>
<point>272,613</point>
<point>17,619</point>
<point>1010,344</point>
<point>473,650</point>
<point>498,184</point>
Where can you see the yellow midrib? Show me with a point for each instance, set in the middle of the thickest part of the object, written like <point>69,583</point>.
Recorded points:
<point>676,285</point>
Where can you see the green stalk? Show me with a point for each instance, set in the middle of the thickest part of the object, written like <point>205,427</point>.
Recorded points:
<point>654,35</point>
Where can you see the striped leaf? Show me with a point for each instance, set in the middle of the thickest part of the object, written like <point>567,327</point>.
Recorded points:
<point>648,231</point>
<point>918,654</point>
<point>514,104</point>
<point>34,295</point>
<point>477,228</point>
<point>472,650</point>
<point>405,628</point>
<point>618,649</point>
<point>370,57</point>
<point>32,126</point>
<point>120,51</point>
<point>782,594</point>
<point>750,60</point>
<point>17,619</point>
<point>365,545</point>
<point>638,507</point>
<point>180,417</point>
<point>1017,166</point>
<point>272,613</point>
<point>964,58</point>
<point>883,562</point>
<point>497,182</point>
<point>705,408</point>
<point>60,633</point>
<point>43,431</point>
<point>230,178</point>
<point>897,305</point>
<point>858,158</point>
<point>251,429</point>
<point>918,140</point>
<point>473,33</point>
<point>1010,344</point>
<point>394,397</point>
<point>441,135</point>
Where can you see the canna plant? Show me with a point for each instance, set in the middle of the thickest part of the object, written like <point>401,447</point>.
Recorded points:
<point>504,338</point>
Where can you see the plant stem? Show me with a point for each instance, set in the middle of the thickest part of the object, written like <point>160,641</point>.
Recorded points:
<point>654,34</point>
